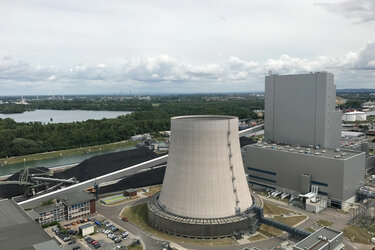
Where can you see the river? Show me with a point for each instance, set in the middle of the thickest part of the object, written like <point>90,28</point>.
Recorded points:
<point>62,116</point>
<point>58,161</point>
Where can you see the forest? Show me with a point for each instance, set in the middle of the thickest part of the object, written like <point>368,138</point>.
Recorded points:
<point>150,116</point>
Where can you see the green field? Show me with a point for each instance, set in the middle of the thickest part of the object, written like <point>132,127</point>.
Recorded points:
<point>67,152</point>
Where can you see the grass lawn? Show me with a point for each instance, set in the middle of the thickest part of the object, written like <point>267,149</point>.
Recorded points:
<point>276,211</point>
<point>324,223</point>
<point>257,237</point>
<point>138,215</point>
<point>309,229</point>
<point>122,201</point>
<point>272,209</point>
<point>67,152</point>
<point>357,234</point>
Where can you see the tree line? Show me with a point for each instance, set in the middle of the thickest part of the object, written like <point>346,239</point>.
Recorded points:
<point>34,137</point>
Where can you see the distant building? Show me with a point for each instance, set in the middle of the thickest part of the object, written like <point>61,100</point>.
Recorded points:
<point>354,116</point>
<point>130,192</point>
<point>19,231</point>
<point>300,110</point>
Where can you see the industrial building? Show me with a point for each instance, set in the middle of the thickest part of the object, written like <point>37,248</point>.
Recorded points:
<point>19,231</point>
<point>293,169</point>
<point>302,142</point>
<point>205,191</point>
<point>77,204</point>
<point>50,213</point>
<point>300,110</point>
<point>65,207</point>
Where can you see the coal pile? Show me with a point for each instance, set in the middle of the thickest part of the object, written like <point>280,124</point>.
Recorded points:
<point>7,191</point>
<point>143,179</point>
<point>108,163</point>
<point>245,141</point>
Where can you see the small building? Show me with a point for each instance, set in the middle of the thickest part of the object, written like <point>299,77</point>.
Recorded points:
<point>324,239</point>
<point>77,204</point>
<point>49,213</point>
<point>130,192</point>
<point>86,229</point>
<point>354,116</point>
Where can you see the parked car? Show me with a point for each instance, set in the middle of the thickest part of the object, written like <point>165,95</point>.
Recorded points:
<point>76,247</point>
<point>117,240</point>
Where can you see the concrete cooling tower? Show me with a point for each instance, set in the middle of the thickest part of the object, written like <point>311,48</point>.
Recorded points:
<point>205,191</point>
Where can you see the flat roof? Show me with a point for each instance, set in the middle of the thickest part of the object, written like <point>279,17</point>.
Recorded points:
<point>319,238</point>
<point>48,207</point>
<point>351,133</point>
<point>312,151</point>
<point>75,198</point>
<point>86,226</point>
<point>17,229</point>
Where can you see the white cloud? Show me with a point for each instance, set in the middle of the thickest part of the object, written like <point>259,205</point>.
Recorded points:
<point>162,70</point>
<point>360,10</point>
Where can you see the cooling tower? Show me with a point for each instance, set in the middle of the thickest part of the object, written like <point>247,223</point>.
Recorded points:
<point>205,191</point>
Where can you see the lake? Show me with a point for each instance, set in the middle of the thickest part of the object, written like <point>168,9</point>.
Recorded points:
<point>62,116</point>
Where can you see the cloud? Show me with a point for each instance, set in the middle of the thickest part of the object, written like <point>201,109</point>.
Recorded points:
<point>161,72</point>
<point>359,10</point>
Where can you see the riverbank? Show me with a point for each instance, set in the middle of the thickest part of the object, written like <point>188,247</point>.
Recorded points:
<point>68,152</point>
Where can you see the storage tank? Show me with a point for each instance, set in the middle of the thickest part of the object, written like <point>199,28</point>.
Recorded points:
<point>360,116</point>
<point>205,182</point>
<point>349,117</point>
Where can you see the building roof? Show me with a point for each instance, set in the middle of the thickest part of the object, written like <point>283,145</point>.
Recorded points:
<point>18,230</point>
<point>351,134</point>
<point>86,226</point>
<point>75,198</point>
<point>319,152</point>
<point>319,239</point>
<point>33,215</point>
<point>48,207</point>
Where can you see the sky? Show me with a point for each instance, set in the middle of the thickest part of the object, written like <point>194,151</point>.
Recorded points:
<point>178,46</point>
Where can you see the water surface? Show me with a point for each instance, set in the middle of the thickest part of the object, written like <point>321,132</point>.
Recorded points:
<point>62,116</point>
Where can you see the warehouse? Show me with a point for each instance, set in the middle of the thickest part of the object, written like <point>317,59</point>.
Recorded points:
<point>19,231</point>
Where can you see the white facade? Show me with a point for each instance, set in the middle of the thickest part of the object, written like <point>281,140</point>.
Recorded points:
<point>354,116</point>
<point>86,229</point>
<point>205,177</point>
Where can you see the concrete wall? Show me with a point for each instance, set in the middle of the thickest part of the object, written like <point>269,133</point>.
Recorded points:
<point>300,110</point>
<point>339,178</point>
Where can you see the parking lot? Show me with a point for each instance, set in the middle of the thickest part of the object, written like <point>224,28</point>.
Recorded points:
<point>107,235</point>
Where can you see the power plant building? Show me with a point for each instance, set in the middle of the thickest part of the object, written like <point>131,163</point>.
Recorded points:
<point>300,110</point>
<point>302,139</point>
<point>205,191</point>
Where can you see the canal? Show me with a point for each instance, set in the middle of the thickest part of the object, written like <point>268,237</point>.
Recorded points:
<point>58,161</point>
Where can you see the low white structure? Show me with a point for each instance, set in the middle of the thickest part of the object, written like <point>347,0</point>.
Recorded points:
<point>354,116</point>
<point>86,229</point>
